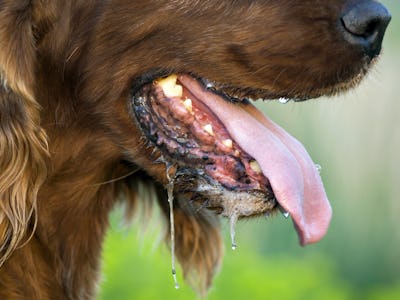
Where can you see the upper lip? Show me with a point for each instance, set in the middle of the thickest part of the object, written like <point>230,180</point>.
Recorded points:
<point>227,91</point>
<point>237,94</point>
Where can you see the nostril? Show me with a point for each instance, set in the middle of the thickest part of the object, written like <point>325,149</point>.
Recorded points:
<point>370,28</point>
<point>365,25</point>
<point>366,20</point>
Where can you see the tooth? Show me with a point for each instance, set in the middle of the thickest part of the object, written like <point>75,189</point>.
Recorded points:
<point>170,87</point>
<point>188,105</point>
<point>284,213</point>
<point>208,128</point>
<point>255,166</point>
<point>228,143</point>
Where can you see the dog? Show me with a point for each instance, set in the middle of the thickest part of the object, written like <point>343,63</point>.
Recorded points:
<point>100,100</point>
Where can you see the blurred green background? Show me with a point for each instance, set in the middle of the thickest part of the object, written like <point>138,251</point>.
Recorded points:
<point>356,140</point>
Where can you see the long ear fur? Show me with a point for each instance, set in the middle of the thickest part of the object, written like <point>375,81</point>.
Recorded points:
<point>23,146</point>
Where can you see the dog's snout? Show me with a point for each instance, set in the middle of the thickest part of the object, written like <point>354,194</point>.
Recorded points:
<point>365,25</point>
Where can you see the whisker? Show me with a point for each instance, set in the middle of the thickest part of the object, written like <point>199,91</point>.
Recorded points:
<point>117,179</point>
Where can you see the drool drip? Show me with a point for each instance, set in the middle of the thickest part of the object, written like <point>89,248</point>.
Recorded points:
<point>233,220</point>
<point>283,100</point>
<point>170,191</point>
<point>284,213</point>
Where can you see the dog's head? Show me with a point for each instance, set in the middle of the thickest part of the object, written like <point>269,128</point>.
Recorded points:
<point>168,83</point>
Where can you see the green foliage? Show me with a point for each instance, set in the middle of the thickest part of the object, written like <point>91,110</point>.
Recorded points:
<point>137,269</point>
<point>385,293</point>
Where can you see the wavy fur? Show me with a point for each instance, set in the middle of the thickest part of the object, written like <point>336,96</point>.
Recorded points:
<point>23,145</point>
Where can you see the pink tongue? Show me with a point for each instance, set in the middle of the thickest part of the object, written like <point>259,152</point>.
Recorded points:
<point>284,161</point>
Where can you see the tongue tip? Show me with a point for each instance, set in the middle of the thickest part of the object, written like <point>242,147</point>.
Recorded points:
<point>308,240</point>
<point>313,233</point>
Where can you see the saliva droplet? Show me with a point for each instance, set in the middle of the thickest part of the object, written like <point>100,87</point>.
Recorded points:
<point>175,279</point>
<point>318,167</point>
<point>284,213</point>
<point>283,100</point>
<point>209,85</point>
<point>233,221</point>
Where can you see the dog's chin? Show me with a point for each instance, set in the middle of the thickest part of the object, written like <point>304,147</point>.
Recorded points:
<point>225,155</point>
<point>343,84</point>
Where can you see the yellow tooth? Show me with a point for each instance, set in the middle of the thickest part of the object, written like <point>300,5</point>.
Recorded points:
<point>170,87</point>
<point>255,166</point>
<point>228,143</point>
<point>188,105</point>
<point>208,128</point>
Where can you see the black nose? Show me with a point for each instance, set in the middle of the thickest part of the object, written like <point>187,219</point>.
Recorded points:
<point>365,26</point>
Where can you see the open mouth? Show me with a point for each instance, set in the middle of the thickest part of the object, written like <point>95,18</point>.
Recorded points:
<point>230,156</point>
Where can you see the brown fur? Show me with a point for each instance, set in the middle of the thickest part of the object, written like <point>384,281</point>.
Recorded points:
<point>66,69</point>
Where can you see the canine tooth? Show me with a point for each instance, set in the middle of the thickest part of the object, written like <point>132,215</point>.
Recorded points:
<point>228,143</point>
<point>188,105</point>
<point>208,128</point>
<point>170,87</point>
<point>255,166</point>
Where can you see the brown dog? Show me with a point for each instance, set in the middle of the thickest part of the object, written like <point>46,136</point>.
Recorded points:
<point>91,111</point>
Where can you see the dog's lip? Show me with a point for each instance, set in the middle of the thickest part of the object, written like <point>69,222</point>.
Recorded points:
<point>235,94</point>
<point>227,91</point>
<point>294,178</point>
